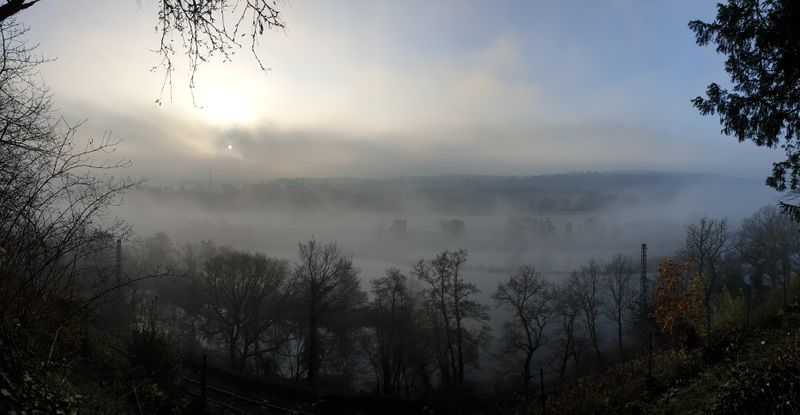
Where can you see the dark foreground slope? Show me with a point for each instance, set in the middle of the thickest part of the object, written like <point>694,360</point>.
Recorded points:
<point>736,373</point>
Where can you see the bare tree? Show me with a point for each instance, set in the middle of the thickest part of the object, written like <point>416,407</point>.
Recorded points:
<point>567,310</point>
<point>706,242</point>
<point>436,274</point>
<point>588,283</point>
<point>245,295</point>
<point>159,253</point>
<point>529,300</point>
<point>56,195</point>
<point>620,283</point>
<point>768,241</point>
<point>327,282</point>
<point>393,315</point>
<point>452,298</point>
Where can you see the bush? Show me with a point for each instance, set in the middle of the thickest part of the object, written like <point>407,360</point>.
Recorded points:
<point>152,355</point>
<point>731,312</point>
<point>774,388</point>
<point>155,362</point>
<point>26,392</point>
<point>151,352</point>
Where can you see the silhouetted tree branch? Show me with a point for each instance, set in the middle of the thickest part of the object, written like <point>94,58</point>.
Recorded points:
<point>12,7</point>
<point>761,39</point>
<point>202,28</point>
<point>706,242</point>
<point>529,299</point>
<point>56,193</point>
<point>327,282</point>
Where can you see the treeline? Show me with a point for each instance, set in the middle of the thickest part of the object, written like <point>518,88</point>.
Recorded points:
<point>413,332</point>
<point>574,193</point>
<point>313,321</point>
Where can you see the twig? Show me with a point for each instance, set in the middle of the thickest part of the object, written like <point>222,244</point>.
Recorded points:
<point>137,401</point>
<point>52,346</point>
<point>133,390</point>
<point>120,285</point>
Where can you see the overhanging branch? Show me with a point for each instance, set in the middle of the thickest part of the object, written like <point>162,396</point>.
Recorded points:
<point>12,7</point>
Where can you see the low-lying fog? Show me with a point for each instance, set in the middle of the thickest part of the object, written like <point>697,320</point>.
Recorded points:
<point>554,222</point>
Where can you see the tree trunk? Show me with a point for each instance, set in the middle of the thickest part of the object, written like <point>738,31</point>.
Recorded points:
<point>312,352</point>
<point>619,339</point>
<point>563,369</point>
<point>450,358</point>
<point>459,334</point>
<point>243,356</point>
<point>596,343</point>
<point>387,376</point>
<point>459,348</point>
<point>708,318</point>
<point>785,280</point>
<point>708,299</point>
<point>232,340</point>
<point>527,370</point>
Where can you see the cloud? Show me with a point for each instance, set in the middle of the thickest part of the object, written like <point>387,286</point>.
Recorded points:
<point>363,90</point>
<point>163,145</point>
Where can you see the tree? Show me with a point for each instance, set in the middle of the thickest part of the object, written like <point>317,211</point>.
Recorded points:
<point>587,283</point>
<point>567,310</point>
<point>56,195</point>
<point>761,39</point>
<point>203,28</point>
<point>12,7</point>
<point>620,284</point>
<point>529,300</point>
<point>158,252</point>
<point>327,282</point>
<point>706,242</point>
<point>393,314</point>
<point>768,241</point>
<point>679,309</point>
<point>451,296</point>
<point>245,297</point>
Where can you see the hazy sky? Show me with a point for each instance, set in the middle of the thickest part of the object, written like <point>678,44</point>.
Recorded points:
<point>383,88</point>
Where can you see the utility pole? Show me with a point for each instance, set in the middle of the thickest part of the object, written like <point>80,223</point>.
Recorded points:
<point>643,285</point>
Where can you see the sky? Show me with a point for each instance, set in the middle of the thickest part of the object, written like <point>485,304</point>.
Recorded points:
<point>388,88</point>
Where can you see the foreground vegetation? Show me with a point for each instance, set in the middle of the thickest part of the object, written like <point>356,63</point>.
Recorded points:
<point>738,371</point>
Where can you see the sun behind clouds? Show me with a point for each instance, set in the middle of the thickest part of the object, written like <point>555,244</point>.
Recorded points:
<point>226,108</point>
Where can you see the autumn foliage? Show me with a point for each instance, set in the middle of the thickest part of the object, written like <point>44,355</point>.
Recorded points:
<point>679,313</point>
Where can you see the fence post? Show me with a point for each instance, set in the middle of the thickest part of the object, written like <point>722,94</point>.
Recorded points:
<point>203,386</point>
<point>541,388</point>
<point>649,357</point>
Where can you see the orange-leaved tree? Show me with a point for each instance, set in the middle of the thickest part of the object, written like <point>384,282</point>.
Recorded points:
<point>679,313</point>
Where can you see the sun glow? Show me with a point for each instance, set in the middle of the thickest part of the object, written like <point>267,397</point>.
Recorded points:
<point>227,108</point>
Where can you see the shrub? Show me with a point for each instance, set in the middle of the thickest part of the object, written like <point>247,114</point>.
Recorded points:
<point>151,352</point>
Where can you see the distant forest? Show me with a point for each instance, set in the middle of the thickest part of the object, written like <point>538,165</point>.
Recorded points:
<point>457,194</point>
